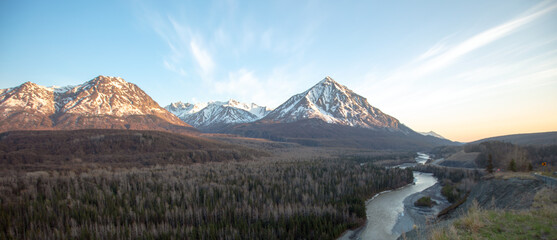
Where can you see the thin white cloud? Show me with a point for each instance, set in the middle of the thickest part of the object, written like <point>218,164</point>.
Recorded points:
<point>437,49</point>
<point>241,82</point>
<point>477,41</point>
<point>269,90</point>
<point>174,68</point>
<point>185,46</point>
<point>433,51</point>
<point>202,57</point>
<point>412,77</point>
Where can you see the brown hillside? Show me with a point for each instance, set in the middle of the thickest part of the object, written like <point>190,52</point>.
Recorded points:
<point>121,148</point>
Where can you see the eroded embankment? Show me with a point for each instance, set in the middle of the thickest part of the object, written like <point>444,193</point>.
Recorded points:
<point>514,193</point>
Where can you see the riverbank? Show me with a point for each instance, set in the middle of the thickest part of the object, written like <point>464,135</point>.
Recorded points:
<point>387,210</point>
<point>352,234</point>
<point>384,208</point>
<point>500,206</point>
<point>420,216</point>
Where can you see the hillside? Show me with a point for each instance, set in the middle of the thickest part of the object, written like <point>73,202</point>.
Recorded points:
<point>81,148</point>
<point>500,206</point>
<point>313,132</point>
<point>543,138</point>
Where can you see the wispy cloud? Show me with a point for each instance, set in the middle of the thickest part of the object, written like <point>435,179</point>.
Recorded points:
<point>437,49</point>
<point>443,54</point>
<point>491,35</point>
<point>185,46</point>
<point>431,82</point>
<point>241,83</point>
<point>202,57</point>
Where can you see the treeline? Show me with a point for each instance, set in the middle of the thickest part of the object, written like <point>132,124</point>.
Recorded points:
<point>456,182</point>
<point>384,156</point>
<point>123,148</point>
<point>303,199</point>
<point>507,156</point>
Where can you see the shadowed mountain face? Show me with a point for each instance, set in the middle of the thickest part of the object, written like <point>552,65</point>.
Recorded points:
<point>103,102</point>
<point>329,114</point>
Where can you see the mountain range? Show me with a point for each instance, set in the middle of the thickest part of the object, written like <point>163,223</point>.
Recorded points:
<point>327,114</point>
<point>103,102</point>
<point>215,116</point>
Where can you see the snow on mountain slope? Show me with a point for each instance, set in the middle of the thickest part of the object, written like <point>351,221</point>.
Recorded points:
<point>103,102</point>
<point>216,114</point>
<point>333,103</point>
<point>27,96</point>
<point>259,111</point>
<point>26,106</point>
<point>432,133</point>
<point>182,110</point>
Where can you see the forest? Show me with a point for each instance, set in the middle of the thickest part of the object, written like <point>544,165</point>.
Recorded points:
<point>111,148</point>
<point>503,154</point>
<point>315,198</point>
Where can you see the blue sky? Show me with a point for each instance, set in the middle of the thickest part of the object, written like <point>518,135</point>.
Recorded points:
<point>465,69</point>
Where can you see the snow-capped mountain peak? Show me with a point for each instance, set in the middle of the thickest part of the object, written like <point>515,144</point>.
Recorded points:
<point>333,103</point>
<point>259,111</point>
<point>29,97</point>
<point>107,96</point>
<point>101,102</point>
<point>217,113</point>
<point>182,110</point>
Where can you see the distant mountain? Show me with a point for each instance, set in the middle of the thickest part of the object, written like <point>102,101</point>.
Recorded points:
<point>182,110</point>
<point>213,116</point>
<point>432,133</point>
<point>330,114</point>
<point>103,102</point>
<point>333,103</point>
<point>543,138</point>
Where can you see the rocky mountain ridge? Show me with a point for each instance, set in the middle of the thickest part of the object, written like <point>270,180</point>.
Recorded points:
<point>333,103</point>
<point>215,115</point>
<point>103,102</point>
<point>330,114</point>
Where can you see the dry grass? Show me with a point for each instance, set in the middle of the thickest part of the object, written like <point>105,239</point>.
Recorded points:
<point>474,220</point>
<point>463,156</point>
<point>445,234</point>
<point>537,223</point>
<point>509,175</point>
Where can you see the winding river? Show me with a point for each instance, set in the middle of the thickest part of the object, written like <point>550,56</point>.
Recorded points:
<point>384,209</point>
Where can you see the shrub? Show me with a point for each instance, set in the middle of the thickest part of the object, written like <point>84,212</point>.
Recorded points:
<point>424,202</point>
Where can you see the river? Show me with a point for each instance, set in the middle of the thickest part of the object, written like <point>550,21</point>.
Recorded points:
<point>384,209</point>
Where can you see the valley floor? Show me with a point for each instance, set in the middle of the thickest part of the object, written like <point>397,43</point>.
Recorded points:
<point>296,192</point>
